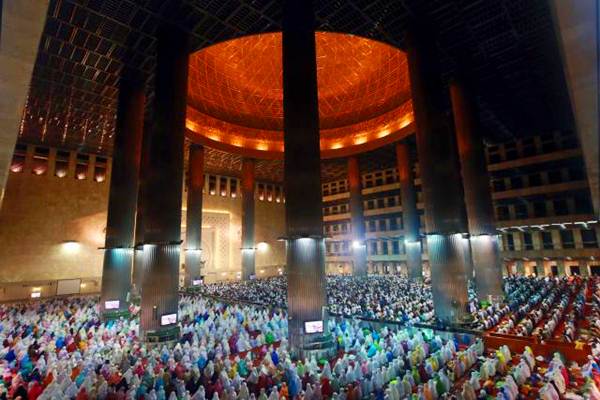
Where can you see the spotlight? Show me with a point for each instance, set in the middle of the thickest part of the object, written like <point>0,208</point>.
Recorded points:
<point>356,244</point>
<point>262,246</point>
<point>70,246</point>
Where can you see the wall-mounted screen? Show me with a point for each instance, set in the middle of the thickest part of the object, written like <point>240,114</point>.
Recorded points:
<point>313,327</point>
<point>168,319</point>
<point>111,304</point>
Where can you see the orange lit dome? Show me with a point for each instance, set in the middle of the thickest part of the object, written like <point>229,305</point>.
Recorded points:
<point>235,95</point>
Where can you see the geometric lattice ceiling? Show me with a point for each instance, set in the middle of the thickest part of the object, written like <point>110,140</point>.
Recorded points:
<point>508,46</point>
<point>235,92</point>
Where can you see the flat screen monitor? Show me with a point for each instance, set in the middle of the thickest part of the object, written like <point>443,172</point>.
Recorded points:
<point>168,319</point>
<point>313,327</point>
<point>197,282</point>
<point>35,295</point>
<point>111,304</point>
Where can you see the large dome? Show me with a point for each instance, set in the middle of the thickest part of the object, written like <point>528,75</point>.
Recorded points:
<point>235,94</point>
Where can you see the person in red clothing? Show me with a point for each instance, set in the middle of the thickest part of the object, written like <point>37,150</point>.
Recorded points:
<point>326,389</point>
<point>82,395</point>
<point>35,390</point>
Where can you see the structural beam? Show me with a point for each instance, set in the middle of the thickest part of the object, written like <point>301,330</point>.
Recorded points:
<point>484,245</point>
<point>162,187</point>
<point>445,219</point>
<point>21,26</point>
<point>193,220</point>
<point>248,245</point>
<point>302,168</point>
<point>120,224</point>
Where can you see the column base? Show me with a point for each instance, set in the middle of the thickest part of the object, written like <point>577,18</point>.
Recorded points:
<point>317,346</point>
<point>488,272</point>
<point>160,288</point>
<point>449,284</point>
<point>414,262</point>
<point>111,315</point>
<point>116,282</point>
<point>163,335</point>
<point>359,259</point>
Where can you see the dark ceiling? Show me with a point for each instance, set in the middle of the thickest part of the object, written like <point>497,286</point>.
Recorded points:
<point>508,47</point>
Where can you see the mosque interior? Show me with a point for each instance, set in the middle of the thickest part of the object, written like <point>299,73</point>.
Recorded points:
<point>269,199</point>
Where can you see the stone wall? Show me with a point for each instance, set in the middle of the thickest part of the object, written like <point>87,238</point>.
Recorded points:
<point>52,228</point>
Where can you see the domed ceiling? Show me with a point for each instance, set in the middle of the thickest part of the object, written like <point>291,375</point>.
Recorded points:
<point>235,95</point>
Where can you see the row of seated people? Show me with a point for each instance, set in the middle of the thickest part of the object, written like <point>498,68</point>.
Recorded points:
<point>529,301</point>
<point>388,297</point>
<point>540,306</point>
<point>502,375</point>
<point>61,349</point>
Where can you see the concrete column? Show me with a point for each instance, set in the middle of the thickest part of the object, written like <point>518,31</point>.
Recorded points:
<point>583,267</point>
<point>445,218</point>
<point>92,168</point>
<point>51,163</point>
<point>560,263</point>
<point>520,267</point>
<point>22,24</point>
<point>478,199</point>
<point>71,166</point>
<point>539,264</point>
<point>307,298</point>
<point>193,230</point>
<point>162,187</point>
<point>120,224</point>
<point>28,163</point>
<point>468,255</point>
<point>248,245</point>
<point>137,276</point>
<point>359,247</point>
<point>410,217</point>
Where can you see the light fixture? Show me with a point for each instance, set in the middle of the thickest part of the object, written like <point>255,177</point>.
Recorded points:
<point>262,246</point>
<point>357,244</point>
<point>70,246</point>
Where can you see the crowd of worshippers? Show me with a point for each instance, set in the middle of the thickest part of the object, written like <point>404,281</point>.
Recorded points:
<point>389,297</point>
<point>61,349</point>
<point>546,308</point>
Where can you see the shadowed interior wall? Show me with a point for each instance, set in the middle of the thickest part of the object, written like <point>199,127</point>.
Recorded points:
<point>39,214</point>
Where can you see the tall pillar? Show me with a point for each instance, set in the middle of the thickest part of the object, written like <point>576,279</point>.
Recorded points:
<point>468,255</point>
<point>248,245</point>
<point>71,166</point>
<point>162,187</point>
<point>120,224</point>
<point>520,268</point>
<point>440,179</point>
<point>137,275</point>
<point>359,246</point>
<point>193,220</point>
<point>51,163</point>
<point>307,298</point>
<point>478,199</point>
<point>410,217</point>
